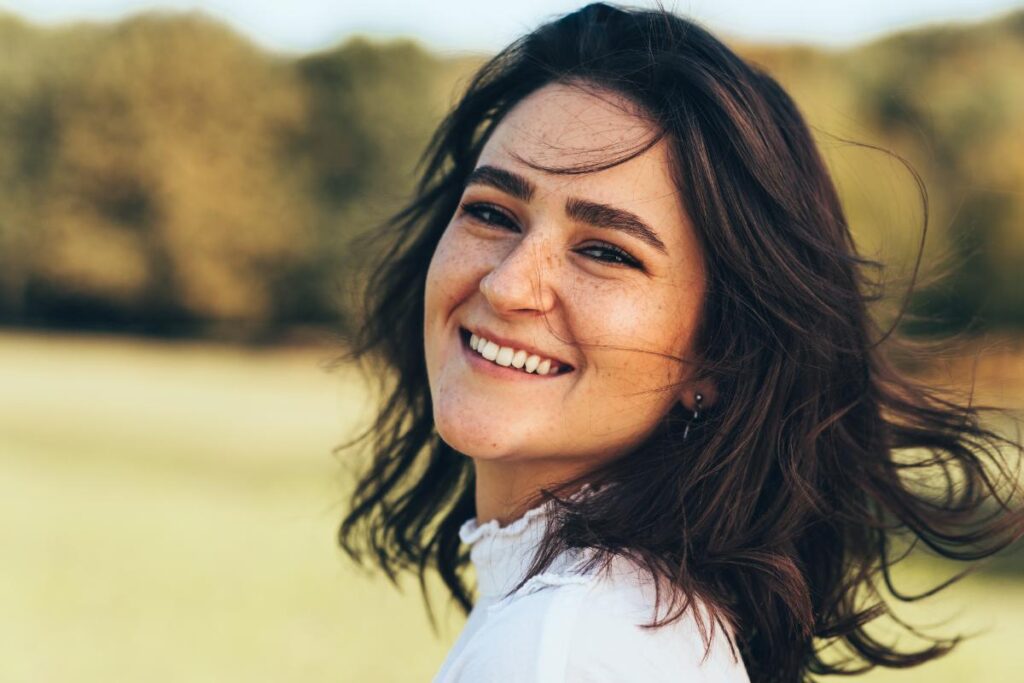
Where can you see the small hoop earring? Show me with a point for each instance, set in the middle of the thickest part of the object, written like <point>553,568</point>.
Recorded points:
<point>697,398</point>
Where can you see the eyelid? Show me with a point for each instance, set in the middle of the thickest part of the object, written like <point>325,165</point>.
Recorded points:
<point>469,207</point>
<point>629,260</point>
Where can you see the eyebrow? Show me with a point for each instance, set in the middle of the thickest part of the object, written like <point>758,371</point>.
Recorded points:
<point>592,213</point>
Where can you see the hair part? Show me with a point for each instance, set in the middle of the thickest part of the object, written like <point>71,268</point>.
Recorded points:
<point>783,506</point>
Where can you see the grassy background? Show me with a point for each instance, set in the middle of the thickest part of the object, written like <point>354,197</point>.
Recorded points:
<point>167,513</point>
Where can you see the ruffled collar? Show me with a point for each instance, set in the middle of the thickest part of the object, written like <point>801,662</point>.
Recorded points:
<point>501,555</point>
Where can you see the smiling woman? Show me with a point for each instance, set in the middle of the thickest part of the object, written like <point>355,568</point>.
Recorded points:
<point>648,374</point>
<point>571,268</point>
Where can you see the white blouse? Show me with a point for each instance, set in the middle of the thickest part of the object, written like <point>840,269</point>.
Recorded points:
<point>567,626</point>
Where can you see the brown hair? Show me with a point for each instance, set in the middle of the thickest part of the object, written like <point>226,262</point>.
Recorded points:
<point>784,504</point>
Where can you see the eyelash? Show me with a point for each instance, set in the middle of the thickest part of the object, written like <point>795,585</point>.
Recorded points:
<point>477,210</point>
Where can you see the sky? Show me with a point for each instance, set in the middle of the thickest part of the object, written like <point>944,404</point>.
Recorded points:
<point>295,26</point>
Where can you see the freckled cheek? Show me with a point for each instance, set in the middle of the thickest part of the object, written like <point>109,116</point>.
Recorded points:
<point>453,277</point>
<point>640,332</point>
<point>455,270</point>
<point>439,300</point>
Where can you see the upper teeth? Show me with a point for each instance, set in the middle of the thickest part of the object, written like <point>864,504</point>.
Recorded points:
<point>507,356</point>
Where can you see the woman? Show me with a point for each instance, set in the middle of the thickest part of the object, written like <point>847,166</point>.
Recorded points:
<point>649,395</point>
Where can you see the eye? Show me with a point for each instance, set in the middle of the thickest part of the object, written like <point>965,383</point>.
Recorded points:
<point>489,215</point>
<point>609,253</point>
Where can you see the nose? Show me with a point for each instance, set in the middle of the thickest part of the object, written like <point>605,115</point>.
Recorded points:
<point>521,281</point>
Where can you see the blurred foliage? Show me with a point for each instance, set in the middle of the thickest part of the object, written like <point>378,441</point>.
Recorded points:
<point>164,175</point>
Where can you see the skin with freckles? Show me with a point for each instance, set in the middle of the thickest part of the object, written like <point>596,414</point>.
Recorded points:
<point>522,266</point>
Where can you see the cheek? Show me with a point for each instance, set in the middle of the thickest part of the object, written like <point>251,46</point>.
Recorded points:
<point>452,278</point>
<point>437,271</point>
<point>642,331</point>
<point>631,379</point>
<point>446,278</point>
<point>455,268</point>
<point>435,304</point>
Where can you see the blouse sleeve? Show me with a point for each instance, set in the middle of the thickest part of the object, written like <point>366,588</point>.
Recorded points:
<point>607,644</point>
<point>576,635</point>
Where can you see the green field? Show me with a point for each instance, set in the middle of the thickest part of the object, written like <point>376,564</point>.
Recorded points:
<point>168,510</point>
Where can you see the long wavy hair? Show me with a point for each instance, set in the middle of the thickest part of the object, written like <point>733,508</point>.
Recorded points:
<point>786,505</point>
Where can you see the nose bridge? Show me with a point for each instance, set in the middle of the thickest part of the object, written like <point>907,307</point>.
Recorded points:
<point>522,279</point>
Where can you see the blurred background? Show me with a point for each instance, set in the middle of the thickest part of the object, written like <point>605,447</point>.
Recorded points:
<point>180,187</point>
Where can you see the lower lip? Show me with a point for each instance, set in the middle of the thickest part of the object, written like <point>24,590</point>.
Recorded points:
<point>481,364</point>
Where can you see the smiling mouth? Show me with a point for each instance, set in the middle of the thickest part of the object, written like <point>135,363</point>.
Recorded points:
<point>514,360</point>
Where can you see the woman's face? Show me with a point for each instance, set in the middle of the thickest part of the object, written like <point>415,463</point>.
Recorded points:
<point>543,264</point>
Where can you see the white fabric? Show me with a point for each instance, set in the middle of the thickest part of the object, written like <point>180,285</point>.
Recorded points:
<point>567,626</point>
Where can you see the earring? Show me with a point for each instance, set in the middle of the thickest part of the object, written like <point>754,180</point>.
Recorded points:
<point>697,398</point>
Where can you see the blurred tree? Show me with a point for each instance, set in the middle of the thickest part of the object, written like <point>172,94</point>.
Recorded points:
<point>29,80</point>
<point>169,197</point>
<point>372,108</point>
<point>951,97</point>
<point>164,174</point>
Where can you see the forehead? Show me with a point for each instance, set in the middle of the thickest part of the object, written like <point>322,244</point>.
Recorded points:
<point>564,126</point>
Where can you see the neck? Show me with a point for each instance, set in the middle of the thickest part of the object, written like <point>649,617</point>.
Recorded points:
<point>506,489</point>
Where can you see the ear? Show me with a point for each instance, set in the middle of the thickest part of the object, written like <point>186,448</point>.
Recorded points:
<point>704,387</point>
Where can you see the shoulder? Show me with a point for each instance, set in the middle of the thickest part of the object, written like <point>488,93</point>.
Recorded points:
<point>607,640</point>
<point>589,630</point>
<point>520,639</point>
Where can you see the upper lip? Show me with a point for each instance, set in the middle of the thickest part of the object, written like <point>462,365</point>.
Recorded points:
<point>512,343</point>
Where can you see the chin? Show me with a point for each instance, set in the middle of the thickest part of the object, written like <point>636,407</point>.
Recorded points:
<point>475,439</point>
